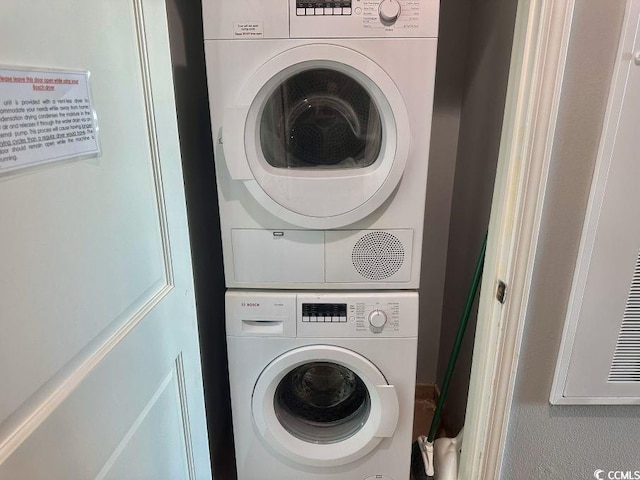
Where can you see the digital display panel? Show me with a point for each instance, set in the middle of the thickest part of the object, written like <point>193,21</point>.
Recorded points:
<point>324,4</point>
<point>324,312</point>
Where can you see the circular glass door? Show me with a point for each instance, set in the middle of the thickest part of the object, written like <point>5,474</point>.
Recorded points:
<point>319,135</point>
<point>323,405</point>
<point>320,118</point>
<point>322,402</point>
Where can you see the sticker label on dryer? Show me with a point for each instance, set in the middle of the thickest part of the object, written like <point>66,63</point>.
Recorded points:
<point>248,30</point>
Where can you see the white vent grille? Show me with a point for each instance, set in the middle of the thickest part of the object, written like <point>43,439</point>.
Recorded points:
<point>378,255</point>
<point>626,360</point>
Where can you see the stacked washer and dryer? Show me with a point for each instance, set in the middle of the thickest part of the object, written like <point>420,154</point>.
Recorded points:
<point>321,114</point>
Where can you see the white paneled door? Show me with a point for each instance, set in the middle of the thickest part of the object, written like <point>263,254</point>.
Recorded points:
<point>99,358</point>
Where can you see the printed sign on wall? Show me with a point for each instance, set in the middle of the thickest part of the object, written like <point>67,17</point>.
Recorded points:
<point>45,116</point>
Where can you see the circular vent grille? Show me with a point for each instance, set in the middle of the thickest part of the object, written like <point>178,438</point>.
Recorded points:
<point>378,255</point>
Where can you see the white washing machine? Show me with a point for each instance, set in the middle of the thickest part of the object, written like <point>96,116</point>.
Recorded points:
<point>321,114</point>
<point>322,384</point>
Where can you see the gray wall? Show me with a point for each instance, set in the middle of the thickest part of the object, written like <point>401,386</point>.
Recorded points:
<point>452,45</point>
<point>569,441</point>
<point>487,63</point>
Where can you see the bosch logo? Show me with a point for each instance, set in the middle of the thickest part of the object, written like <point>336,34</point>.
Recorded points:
<point>250,304</point>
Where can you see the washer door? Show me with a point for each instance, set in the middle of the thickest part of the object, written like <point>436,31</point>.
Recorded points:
<point>323,405</point>
<point>320,134</point>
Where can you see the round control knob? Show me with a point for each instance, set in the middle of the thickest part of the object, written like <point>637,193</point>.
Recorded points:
<point>377,319</point>
<point>389,11</point>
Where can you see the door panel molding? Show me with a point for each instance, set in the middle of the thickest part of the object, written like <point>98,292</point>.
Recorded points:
<point>174,379</point>
<point>145,72</point>
<point>102,474</point>
<point>184,411</point>
<point>26,419</point>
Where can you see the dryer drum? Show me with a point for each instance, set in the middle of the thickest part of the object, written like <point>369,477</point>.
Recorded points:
<point>320,118</point>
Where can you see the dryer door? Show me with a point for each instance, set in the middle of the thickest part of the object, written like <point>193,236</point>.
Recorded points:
<point>320,134</point>
<point>323,406</point>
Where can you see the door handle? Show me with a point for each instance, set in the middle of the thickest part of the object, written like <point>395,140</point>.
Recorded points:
<point>233,147</point>
<point>389,411</point>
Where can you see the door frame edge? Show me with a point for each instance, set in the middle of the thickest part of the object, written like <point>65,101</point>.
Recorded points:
<point>538,58</point>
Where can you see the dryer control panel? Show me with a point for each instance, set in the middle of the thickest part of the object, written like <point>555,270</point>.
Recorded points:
<point>363,18</point>
<point>260,19</point>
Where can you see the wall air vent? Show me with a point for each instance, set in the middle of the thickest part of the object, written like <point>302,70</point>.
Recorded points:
<point>599,358</point>
<point>626,360</point>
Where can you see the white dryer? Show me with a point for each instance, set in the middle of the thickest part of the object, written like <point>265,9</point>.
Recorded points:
<point>322,385</point>
<point>321,114</point>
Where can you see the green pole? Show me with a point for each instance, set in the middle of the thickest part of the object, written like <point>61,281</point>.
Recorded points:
<point>453,358</point>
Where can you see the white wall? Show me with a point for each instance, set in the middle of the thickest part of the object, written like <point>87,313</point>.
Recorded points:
<point>563,442</point>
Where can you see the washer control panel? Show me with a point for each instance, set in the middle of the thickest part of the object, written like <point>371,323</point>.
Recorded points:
<point>321,314</point>
<point>375,316</point>
<point>379,314</point>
